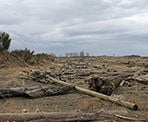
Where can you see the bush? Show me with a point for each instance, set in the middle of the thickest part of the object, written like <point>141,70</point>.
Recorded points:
<point>32,59</point>
<point>25,54</point>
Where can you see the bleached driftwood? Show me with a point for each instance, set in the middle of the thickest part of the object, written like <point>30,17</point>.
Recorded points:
<point>127,104</point>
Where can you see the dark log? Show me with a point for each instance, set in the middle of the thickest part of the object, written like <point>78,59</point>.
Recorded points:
<point>33,92</point>
<point>105,85</point>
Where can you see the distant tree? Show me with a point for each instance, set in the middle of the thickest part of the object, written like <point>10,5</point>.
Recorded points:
<point>4,41</point>
<point>82,53</point>
<point>87,54</point>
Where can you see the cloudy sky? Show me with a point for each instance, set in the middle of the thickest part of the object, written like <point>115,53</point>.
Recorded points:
<point>101,27</point>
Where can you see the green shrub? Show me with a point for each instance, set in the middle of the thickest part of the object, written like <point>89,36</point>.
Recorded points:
<point>4,41</point>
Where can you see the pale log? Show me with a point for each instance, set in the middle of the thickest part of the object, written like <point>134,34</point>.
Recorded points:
<point>126,104</point>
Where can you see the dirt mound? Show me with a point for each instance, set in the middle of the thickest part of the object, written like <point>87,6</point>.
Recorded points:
<point>23,58</point>
<point>7,59</point>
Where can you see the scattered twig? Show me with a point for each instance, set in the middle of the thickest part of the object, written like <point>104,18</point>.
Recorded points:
<point>128,118</point>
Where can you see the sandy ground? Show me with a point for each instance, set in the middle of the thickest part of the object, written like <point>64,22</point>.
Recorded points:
<point>77,102</point>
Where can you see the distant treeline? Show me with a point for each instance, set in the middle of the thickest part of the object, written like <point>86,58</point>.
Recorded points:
<point>75,54</point>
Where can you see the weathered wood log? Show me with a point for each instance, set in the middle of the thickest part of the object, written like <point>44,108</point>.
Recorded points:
<point>33,92</point>
<point>50,117</point>
<point>66,117</point>
<point>130,105</point>
<point>106,85</point>
<point>143,79</point>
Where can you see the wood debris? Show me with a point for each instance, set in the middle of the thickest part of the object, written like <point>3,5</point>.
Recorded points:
<point>33,92</point>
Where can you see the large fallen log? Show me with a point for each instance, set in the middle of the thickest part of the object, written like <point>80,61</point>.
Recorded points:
<point>127,104</point>
<point>55,117</point>
<point>100,116</point>
<point>33,92</point>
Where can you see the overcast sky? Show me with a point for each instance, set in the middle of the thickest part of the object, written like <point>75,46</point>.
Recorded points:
<point>101,27</point>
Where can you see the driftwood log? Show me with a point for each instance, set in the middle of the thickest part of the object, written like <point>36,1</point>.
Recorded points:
<point>46,78</point>
<point>100,116</point>
<point>99,95</point>
<point>143,79</point>
<point>47,117</point>
<point>56,117</point>
<point>33,92</point>
<point>106,85</point>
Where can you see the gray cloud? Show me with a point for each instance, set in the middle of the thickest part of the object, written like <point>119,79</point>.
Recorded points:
<point>60,26</point>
